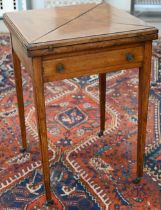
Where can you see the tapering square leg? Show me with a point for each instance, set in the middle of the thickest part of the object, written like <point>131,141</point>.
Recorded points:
<point>19,91</point>
<point>38,87</point>
<point>102,96</point>
<point>144,86</point>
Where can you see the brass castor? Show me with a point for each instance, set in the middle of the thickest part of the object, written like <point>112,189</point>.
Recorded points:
<point>137,180</point>
<point>23,150</point>
<point>100,133</point>
<point>49,202</point>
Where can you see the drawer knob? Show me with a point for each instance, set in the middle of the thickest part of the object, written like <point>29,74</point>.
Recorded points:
<point>60,68</point>
<point>130,57</point>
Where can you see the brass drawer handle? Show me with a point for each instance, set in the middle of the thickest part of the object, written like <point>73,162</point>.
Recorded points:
<point>130,57</point>
<point>60,68</point>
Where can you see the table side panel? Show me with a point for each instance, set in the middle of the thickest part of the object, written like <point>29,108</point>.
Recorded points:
<point>22,54</point>
<point>50,48</point>
<point>88,64</point>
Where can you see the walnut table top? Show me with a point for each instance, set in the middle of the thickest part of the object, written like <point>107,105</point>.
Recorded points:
<point>75,25</point>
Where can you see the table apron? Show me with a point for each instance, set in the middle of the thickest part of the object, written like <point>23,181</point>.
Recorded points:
<point>93,63</point>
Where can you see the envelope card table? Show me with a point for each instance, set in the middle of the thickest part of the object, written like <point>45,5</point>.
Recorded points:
<point>72,41</point>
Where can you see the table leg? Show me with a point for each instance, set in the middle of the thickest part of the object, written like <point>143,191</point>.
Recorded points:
<point>19,91</point>
<point>38,87</point>
<point>102,95</point>
<point>144,86</point>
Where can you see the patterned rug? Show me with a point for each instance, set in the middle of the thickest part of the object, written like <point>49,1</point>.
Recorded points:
<point>87,172</point>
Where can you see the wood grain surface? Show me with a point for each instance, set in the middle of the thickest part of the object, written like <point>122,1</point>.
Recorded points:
<point>61,43</point>
<point>73,25</point>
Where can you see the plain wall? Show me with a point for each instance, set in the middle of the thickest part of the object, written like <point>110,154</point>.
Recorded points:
<point>121,4</point>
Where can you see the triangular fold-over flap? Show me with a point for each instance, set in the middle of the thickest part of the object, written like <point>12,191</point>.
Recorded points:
<point>102,20</point>
<point>34,24</point>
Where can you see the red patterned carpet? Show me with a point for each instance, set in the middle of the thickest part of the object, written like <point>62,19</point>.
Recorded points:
<point>87,172</point>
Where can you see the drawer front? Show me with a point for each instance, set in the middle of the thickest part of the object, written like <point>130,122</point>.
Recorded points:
<point>88,64</point>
